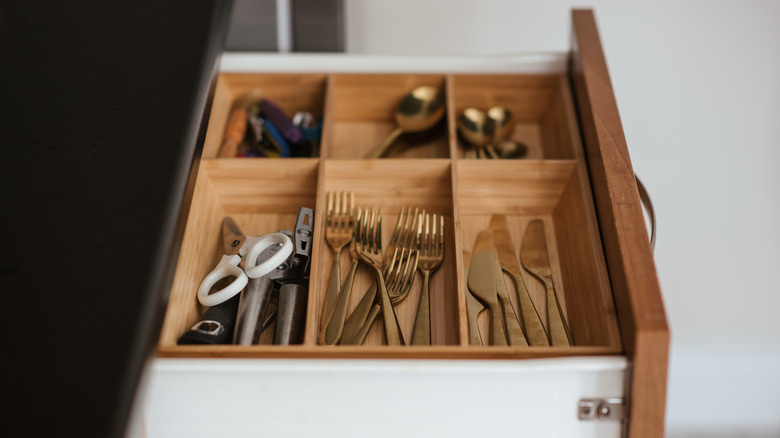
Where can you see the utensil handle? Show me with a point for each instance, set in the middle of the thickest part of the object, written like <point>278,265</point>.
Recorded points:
<point>227,267</point>
<point>334,326</point>
<point>251,311</point>
<point>475,338</point>
<point>497,336</point>
<point>291,314</point>
<point>378,150</point>
<point>392,329</point>
<point>360,336</point>
<point>535,333</point>
<point>215,326</point>
<point>421,334</point>
<point>514,330</point>
<point>559,331</point>
<point>357,319</point>
<point>333,287</point>
<point>258,245</point>
<point>234,134</point>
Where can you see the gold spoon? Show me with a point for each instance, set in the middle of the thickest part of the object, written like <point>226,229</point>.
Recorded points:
<point>500,123</point>
<point>419,110</point>
<point>511,149</point>
<point>486,129</point>
<point>474,127</point>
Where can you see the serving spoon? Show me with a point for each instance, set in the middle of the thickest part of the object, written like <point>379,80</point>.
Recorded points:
<point>419,110</point>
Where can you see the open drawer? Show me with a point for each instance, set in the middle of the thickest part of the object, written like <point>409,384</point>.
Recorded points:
<point>575,179</point>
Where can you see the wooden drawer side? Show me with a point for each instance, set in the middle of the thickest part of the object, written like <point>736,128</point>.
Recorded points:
<point>635,286</point>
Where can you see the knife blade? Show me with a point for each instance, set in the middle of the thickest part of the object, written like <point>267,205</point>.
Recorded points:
<point>532,323</point>
<point>482,283</point>
<point>536,260</point>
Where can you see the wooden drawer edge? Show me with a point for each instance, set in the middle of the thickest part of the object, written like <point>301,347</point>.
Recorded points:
<point>635,286</point>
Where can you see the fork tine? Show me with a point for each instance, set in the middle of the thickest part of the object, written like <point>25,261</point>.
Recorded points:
<point>440,248</point>
<point>408,238</point>
<point>418,238</point>
<point>393,274</point>
<point>351,206</point>
<point>366,223</point>
<point>434,236</point>
<point>329,213</point>
<point>370,229</point>
<point>359,229</point>
<point>378,233</point>
<point>407,275</point>
<point>393,270</point>
<point>406,271</point>
<point>398,227</point>
<point>427,249</point>
<point>399,271</point>
<point>345,210</point>
<point>391,267</point>
<point>343,204</point>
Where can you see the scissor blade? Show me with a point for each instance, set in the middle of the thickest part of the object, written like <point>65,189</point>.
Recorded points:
<point>232,237</point>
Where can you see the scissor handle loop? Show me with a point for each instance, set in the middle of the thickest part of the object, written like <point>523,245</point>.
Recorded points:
<point>255,270</point>
<point>227,267</point>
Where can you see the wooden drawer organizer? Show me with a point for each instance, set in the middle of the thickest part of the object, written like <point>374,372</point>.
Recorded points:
<point>578,179</point>
<point>264,195</point>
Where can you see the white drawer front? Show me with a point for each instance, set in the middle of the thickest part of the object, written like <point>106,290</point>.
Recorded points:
<point>379,398</point>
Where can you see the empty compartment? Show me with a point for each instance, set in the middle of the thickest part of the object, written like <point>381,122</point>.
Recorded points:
<point>363,116</point>
<point>540,108</point>
<point>550,191</point>
<point>391,185</point>
<point>261,197</point>
<point>292,93</point>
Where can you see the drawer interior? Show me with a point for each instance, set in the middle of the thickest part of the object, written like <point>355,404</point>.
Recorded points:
<point>431,170</point>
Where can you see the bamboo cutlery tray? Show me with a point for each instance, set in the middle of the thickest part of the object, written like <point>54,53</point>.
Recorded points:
<point>426,170</point>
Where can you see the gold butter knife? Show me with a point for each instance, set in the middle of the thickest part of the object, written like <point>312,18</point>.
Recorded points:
<point>482,283</point>
<point>532,323</point>
<point>473,309</point>
<point>536,260</point>
<point>514,331</point>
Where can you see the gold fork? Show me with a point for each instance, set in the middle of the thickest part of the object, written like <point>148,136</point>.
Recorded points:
<point>333,329</point>
<point>364,315</point>
<point>430,245</point>
<point>368,243</point>
<point>339,228</point>
<point>399,277</point>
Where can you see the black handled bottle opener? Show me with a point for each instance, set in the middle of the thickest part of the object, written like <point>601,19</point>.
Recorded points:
<point>215,326</point>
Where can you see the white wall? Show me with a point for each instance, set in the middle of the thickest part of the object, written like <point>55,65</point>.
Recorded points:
<point>698,87</point>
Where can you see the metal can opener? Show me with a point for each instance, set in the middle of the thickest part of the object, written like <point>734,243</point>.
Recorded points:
<point>292,279</point>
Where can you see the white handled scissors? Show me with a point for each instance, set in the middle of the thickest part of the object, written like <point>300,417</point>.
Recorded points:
<point>237,247</point>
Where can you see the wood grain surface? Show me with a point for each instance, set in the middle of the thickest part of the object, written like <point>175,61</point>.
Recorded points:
<point>635,286</point>
<point>551,184</point>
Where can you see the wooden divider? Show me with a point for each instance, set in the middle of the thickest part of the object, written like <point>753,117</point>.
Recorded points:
<point>428,172</point>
